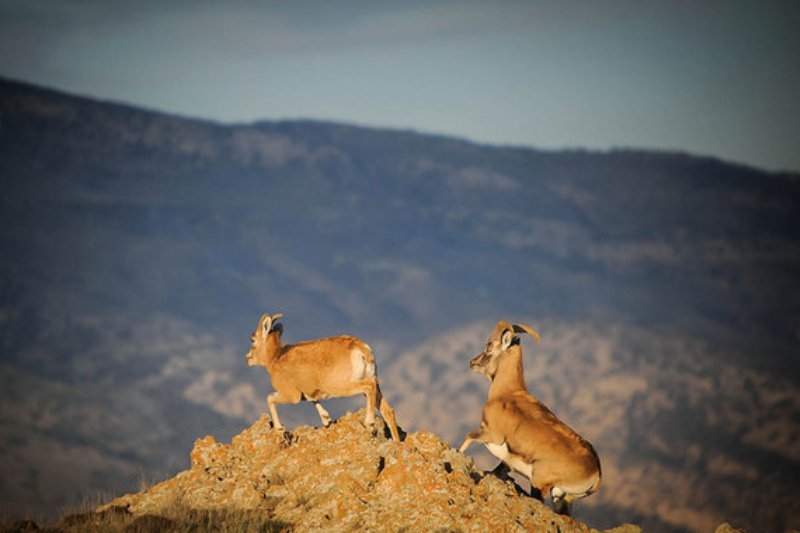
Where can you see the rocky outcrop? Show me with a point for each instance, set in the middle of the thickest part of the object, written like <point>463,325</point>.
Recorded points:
<point>345,477</point>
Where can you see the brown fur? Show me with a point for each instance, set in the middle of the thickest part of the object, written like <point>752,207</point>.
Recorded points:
<point>316,370</point>
<point>557,455</point>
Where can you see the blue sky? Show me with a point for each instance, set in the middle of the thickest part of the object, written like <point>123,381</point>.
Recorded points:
<point>714,78</point>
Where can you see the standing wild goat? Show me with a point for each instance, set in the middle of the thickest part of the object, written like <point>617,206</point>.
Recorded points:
<point>316,370</point>
<point>521,431</point>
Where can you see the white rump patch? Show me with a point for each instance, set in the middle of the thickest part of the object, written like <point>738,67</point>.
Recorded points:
<point>361,368</point>
<point>514,461</point>
<point>576,491</point>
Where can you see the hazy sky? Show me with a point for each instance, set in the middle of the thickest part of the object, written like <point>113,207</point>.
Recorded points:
<point>718,78</point>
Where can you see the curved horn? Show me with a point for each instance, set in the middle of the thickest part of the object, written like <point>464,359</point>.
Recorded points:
<point>522,328</point>
<point>265,322</point>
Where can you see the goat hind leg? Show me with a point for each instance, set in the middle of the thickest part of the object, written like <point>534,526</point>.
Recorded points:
<point>324,416</point>
<point>387,413</point>
<point>562,504</point>
<point>370,390</point>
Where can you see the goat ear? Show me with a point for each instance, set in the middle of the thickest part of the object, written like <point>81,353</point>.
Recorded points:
<point>506,339</point>
<point>264,322</point>
<point>522,328</point>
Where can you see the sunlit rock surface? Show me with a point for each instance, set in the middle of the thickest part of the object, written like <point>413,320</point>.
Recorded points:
<point>344,477</point>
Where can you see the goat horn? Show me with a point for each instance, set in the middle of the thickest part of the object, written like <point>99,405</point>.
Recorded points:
<point>265,322</point>
<point>522,328</point>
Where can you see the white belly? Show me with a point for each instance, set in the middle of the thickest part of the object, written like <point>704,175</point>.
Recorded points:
<point>514,461</point>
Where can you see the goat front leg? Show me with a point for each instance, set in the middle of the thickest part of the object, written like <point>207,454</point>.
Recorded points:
<point>273,399</point>
<point>472,436</point>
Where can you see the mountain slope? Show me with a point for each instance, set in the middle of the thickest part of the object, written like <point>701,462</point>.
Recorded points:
<point>137,250</point>
<point>352,217</point>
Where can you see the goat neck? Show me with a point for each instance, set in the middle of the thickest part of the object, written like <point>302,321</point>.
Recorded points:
<point>509,377</point>
<point>270,349</point>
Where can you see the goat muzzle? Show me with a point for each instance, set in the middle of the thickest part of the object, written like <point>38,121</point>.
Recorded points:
<point>475,363</point>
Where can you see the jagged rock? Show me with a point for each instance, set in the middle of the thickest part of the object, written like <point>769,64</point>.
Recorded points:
<point>347,477</point>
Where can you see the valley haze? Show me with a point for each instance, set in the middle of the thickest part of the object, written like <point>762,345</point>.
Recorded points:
<point>138,249</point>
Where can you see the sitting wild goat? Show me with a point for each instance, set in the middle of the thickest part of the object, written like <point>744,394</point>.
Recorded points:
<point>523,433</point>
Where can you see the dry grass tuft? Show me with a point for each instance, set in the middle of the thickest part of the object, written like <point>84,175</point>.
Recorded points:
<point>176,518</point>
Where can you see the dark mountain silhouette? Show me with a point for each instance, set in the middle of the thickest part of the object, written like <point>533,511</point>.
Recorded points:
<point>139,249</point>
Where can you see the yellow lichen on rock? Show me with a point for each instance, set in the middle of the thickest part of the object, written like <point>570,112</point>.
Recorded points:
<point>346,477</point>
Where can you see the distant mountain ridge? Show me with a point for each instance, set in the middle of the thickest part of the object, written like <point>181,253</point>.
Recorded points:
<point>138,250</point>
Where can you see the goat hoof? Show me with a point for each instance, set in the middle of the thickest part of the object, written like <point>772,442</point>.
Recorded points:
<point>286,437</point>
<point>280,430</point>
